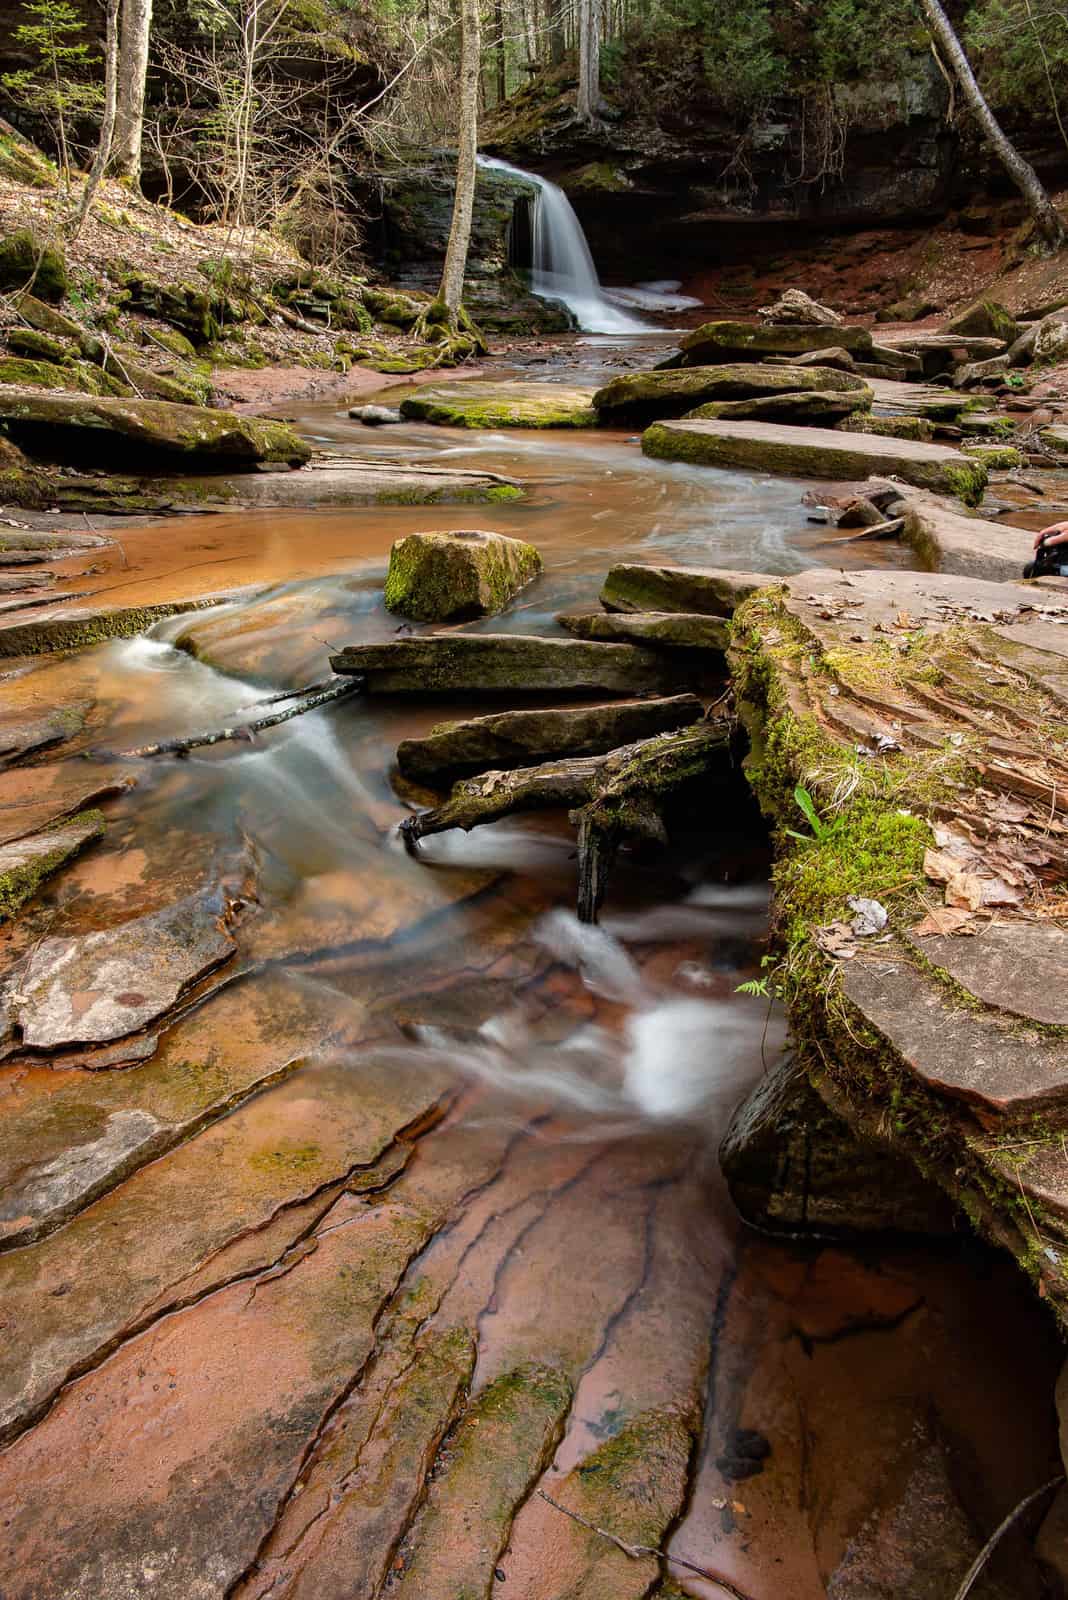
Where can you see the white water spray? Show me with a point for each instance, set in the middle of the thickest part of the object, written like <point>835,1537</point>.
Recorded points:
<point>562,267</point>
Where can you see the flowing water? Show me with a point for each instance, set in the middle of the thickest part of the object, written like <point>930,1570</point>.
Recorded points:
<point>562,267</point>
<point>581,1077</point>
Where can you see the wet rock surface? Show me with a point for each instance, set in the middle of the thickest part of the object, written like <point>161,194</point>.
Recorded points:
<point>816,453</point>
<point>645,396</point>
<point>506,662</point>
<point>453,577</point>
<point>502,405</point>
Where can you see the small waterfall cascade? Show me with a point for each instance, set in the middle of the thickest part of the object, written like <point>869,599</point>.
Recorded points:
<point>562,267</point>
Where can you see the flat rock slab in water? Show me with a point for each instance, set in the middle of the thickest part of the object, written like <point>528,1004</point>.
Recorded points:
<point>22,735</point>
<point>661,630</point>
<point>57,422</point>
<point>502,405</point>
<point>924,400</point>
<point>26,863</point>
<point>66,625</point>
<point>710,591</point>
<point>504,663</point>
<point>338,481</point>
<point>644,396</point>
<point>815,453</point>
<point>104,985</point>
<point>520,738</point>
<point>741,341</point>
<point>951,541</point>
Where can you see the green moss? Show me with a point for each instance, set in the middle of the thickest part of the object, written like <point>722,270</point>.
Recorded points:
<point>27,262</point>
<point>447,577</point>
<point>19,883</point>
<point>41,346</point>
<point>171,339</point>
<point>23,372</point>
<point>996,458</point>
<point>287,1158</point>
<point>919,428</point>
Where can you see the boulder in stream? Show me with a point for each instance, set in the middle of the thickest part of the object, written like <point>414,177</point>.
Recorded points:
<point>649,395</point>
<point>59,425</point>
<point>796,307</point>
<point>502,405</point>
<point>816,453</point>
<point>375,416</point>
<point>510,663</point>
<point>985,318</point>
<point>520,738</point>
<point>711,591</point>
<point>453,577</point>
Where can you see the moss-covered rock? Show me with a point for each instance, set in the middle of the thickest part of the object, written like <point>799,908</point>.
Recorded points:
<point>816,453</point>
<point>502,405</point>
<point>820,410</point>
<point>394,309</point>
<point>744,341</point>
<point>21,484</point>
<point>26,863</point>
<point>920,428</point>
<point>199,313</point>
<point>443,577</point>
<point>995,457</point>
<point>39,346</point>
<point>986,318</point>
<point>27,262</point>
<point>647,396</point>
<point>172,340</point>
<point>59,424</point>
<point>74,376</point>
<point>47,319</point>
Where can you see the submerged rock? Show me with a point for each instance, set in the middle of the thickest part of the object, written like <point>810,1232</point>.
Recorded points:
<point>793,1166</point>
<point>463,663</point>
<point>452,577</point>
<point>375,416</point>
<point>502,405</point>
<point>648,395</point>
<point>522,738</point>
<point>816,453</point>
<point>56,425</point>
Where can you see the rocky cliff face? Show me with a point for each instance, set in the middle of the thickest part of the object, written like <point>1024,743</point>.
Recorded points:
<point>876,153</point>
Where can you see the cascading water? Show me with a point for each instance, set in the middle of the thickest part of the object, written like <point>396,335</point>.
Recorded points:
<point>562,267</point>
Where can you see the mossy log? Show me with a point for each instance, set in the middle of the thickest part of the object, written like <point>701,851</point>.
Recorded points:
<point>610,797</point>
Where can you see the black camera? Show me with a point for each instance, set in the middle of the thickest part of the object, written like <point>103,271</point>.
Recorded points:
<point>1051,561</point>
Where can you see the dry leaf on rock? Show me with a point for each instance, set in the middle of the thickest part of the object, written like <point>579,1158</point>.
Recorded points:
<point>945,920</point>
<point>836,940</point>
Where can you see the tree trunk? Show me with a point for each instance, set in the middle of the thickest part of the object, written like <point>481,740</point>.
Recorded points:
<point>502,73</point>
<point>107,118</point>
<point>133,70</point>
<point>451,292</point>
<point>1020,171</point>
<point>557,40</point>
<point>589,84</point>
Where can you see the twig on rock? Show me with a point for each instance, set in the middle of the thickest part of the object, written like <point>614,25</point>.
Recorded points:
<point>992,1543</point>
<point>636,1551</point>
<point>310,699</point>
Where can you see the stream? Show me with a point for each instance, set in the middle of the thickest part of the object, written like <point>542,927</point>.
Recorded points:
<point>550,1099</point>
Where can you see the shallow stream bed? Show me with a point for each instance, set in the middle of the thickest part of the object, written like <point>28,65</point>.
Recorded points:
<point>417,1211</point>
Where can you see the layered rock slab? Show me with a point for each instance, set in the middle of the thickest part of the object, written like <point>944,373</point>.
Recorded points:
<point>643,396</point>
<point>192,432</point>
<point>504,662</point>
<point>659,630</point>
<point>519,738</point>
<point>740,341</point>
<point>815,453</point>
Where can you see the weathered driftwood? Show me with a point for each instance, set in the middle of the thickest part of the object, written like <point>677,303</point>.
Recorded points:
<point>521,738</point>
<point>610,797</point>
<point>309,699</point>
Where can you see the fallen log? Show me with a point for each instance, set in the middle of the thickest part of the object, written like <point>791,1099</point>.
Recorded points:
<point>610,797</point>
<point>309,699</point>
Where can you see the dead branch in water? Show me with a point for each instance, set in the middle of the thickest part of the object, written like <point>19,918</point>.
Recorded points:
<point>616,796</point>
<point>315,695</point>
<point>636,1551</point>
<point>976,1568</point>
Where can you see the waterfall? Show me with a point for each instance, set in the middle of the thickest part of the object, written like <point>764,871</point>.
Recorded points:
<point>562,267</point>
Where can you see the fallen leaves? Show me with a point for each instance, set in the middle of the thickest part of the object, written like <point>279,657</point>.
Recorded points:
<point>839,940</point>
